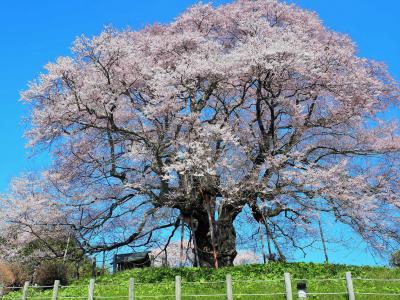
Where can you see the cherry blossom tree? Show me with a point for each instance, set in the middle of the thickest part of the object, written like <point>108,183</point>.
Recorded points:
<point>32,225</point>
<point>251,104</point>
<point>246,258</point>
<point>176,254</point>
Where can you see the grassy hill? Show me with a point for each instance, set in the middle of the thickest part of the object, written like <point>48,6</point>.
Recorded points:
<point>198,283</point>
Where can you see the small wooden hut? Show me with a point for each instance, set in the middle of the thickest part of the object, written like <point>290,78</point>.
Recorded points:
<point>131,260</point>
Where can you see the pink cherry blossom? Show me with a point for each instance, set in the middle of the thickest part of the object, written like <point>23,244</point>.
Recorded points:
<point>250,104</point>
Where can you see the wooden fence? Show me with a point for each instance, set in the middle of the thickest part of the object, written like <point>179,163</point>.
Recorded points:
<point>227,292</point>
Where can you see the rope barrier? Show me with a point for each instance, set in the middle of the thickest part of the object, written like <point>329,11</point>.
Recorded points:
<point>319,279</point>
<point>259,281</point>
<point>154,296</point>
<point>378,279</point>
<point>378,294</point>
<point>265,294</point>
<point>205,295</point>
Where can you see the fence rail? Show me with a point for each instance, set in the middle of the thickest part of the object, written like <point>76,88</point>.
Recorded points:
<point>285,288</point>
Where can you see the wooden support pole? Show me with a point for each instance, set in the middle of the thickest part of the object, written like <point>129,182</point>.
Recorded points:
<point>262,243</point>
<point>288,287</point>
<point>210,213</point>
<point>55,290</point>
<point>103,266</point>
<point>178,288</point>
<point>267,232</point>
<point>182,240</point>
<point>131,289</point>
<point>349,285</point>
<point>229,289</point>
<point>321,233</point>
<point>93,275</point>
<point>196,252</point>
<point>91,289</point>
<point>66,248</point>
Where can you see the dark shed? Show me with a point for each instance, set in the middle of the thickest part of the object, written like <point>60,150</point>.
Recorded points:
<point>131,260</point>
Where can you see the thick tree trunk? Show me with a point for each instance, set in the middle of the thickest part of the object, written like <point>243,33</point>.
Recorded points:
<point>214,235</point>
<point>227,243</point>
<point>224,238</point>
<point>223,234</point>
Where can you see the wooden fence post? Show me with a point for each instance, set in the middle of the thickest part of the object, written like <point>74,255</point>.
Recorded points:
<point>288,287</point>
<point>1,292</point>
<point>178,288</point>
<point>131,289</point>
<point>25,290</point>
<point>55,289</point>
<point>229,289</point>
<point>91,289</point>
<point>349,285</point>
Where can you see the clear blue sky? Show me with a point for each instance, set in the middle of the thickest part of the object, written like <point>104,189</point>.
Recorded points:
<point>33,33</point>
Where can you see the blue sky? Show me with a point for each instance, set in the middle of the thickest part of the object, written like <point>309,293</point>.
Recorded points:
<point>33,33</point>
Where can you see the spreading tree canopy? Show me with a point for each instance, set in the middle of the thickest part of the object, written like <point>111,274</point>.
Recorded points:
<point>251,105</point>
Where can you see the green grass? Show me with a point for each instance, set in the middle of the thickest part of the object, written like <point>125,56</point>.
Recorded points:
<point>255,279</point>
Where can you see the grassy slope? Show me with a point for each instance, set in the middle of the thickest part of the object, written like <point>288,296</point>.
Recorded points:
<point>160,281</point>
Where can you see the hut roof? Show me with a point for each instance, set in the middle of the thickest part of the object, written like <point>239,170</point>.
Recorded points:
<point>130,257</point>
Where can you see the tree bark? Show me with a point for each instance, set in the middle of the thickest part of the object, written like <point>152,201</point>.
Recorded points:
<point>224,236</point>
